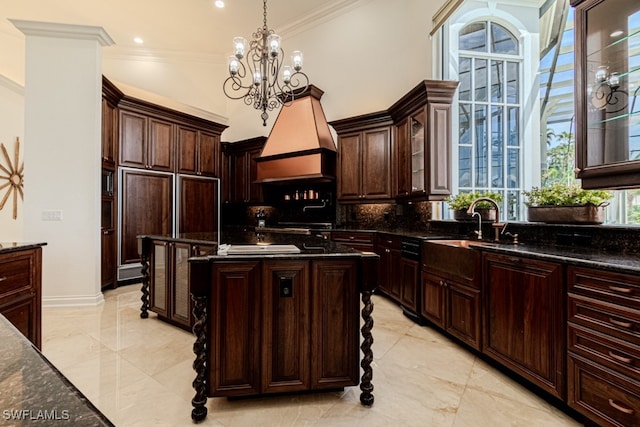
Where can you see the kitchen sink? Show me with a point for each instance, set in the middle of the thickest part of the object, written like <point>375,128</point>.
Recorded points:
<point>465,244</point>
<point>455,259</point>
<point>262,249</point>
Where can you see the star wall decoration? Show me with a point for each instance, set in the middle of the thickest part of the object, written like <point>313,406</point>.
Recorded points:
<point>13,174</point>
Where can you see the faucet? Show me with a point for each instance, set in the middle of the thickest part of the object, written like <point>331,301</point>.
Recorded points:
<point>479,232</point>
<point>497,225</point>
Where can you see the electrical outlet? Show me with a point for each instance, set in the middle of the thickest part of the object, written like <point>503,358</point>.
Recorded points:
<point>52,215</point>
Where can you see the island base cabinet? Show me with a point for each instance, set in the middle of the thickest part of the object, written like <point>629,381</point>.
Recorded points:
<point>335,323</point>
<point>235,329</point>
<point>523,318</point>
<point>283,326</point>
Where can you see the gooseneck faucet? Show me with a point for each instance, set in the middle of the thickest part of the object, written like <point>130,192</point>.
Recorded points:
<point>497,225</point>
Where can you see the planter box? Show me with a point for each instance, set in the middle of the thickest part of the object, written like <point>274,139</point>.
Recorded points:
<point>588,214</point>
<point>485,214</point>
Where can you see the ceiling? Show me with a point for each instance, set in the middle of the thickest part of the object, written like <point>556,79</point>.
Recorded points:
<point>173,25</point>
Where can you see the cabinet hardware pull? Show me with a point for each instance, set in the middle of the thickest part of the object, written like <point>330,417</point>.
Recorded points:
<point>387,250</point>
<point>2,279</point>
<point>627,325</point>
<point>620,408</point>
<point>351,238</point>
<point>621,290</point>
<point>619,358</point>
<point>441,282</point>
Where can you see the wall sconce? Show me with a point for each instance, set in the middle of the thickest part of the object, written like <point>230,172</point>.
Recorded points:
<point>605,92</point>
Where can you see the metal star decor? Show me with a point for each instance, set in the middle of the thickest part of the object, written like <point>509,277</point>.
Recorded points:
<point>14,177</point>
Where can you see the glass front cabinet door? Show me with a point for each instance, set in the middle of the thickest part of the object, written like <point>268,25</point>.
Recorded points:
<point>607,67</point>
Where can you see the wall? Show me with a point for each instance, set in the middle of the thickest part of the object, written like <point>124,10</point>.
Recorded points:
<point>11,126</point>
<point>363,60</point>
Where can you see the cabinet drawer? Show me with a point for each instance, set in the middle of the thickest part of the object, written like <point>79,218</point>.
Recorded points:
<point>603,396</point>
<point>623,289</point>
<point>604,317</point>
<point>352,237</point>
<point>15,275</point>
<point>622,356</point>
<point>388,241</point>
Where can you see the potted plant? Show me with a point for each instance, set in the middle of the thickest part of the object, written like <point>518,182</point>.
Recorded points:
<point>461,202</point>
<point>566,204</point>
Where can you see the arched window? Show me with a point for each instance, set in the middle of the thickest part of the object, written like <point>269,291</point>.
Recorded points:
<point>489,112</point>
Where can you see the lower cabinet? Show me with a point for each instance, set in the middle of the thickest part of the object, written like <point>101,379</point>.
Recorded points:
<point>21,291</point>
<point>169,293</point>
<point>283,326</point>
<point>453,307</point>
<point>604,345</point>
<point>524,326</point>
<point>389,249</point>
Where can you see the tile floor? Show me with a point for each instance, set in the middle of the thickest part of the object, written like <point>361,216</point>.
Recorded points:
<point>138,373</point>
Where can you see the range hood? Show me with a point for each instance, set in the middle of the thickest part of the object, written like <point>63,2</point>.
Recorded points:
<point>300,146</point>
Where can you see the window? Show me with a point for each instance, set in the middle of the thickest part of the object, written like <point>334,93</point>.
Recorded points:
<point>489,110</point>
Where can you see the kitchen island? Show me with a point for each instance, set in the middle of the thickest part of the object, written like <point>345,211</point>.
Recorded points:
<point>267,322</point>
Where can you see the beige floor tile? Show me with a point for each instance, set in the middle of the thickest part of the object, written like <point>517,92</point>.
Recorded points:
<point>139,373</point>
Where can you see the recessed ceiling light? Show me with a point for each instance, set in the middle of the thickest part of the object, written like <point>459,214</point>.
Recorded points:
<point>138,40</point>
<point>219,4</point>
<point>617,33</point>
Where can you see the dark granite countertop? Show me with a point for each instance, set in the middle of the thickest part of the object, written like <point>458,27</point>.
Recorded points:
<point>6,247</point>
<point>585,257</point>
<point>33,391</point>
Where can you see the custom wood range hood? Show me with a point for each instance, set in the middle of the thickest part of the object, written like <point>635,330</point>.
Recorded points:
<point>300,146</point>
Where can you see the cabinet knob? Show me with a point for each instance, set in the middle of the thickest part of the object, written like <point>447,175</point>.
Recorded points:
<point>577,170</point>
<point>387,250</point>
<point>351,237</point>
<point>2,279</point>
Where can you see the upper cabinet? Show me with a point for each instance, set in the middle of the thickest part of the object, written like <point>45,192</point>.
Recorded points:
<point>198,152</point>
<point>422,154</point>
<point>364,158</point>
<point>607,36</point>
<point>157,138</point>
<point>403,153</point>
<point>240,171</point>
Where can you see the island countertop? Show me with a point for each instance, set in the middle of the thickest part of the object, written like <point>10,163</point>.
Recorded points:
<point>34,391</point>
<point>6,247</point>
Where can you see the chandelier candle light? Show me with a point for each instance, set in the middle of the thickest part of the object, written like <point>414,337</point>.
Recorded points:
<point>259,81</point>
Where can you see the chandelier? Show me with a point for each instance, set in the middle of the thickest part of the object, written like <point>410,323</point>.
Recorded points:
<point>258,80</point>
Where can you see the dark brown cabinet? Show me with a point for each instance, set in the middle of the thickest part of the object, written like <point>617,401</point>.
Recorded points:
<point>198,152</point>
<point>451,292</point>
<point>274,330</point>
<point>198,205</point>
<point>242,171</point>
<point>364,158</point>
<point>146,142</point>
<point>388,248</point>
<point>607,153</point>
<point>21,291</point>
<point>169,292</point>
<point>147,208</point>
<point>604,345</point>
<point>422,154</point>
<point>133,139</point>
<point>362,241</point>
<point>524,325</point>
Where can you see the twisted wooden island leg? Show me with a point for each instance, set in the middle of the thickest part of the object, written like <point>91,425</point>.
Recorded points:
<point>366,397</point>
<point>144,310</point>
<point>199,401</point>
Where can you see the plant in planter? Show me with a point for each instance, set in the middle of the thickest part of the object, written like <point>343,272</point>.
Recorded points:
<point>566,204</point>
<point>461,202</point>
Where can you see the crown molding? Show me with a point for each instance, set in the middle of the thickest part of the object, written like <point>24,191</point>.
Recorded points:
<point>319,16</point>
<point>11,85</point>
<point>63,31</point>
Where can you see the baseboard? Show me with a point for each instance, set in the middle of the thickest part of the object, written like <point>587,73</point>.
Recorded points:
<point>73,301</point>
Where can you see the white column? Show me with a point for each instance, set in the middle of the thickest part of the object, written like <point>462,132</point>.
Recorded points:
<point>62,152</point>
